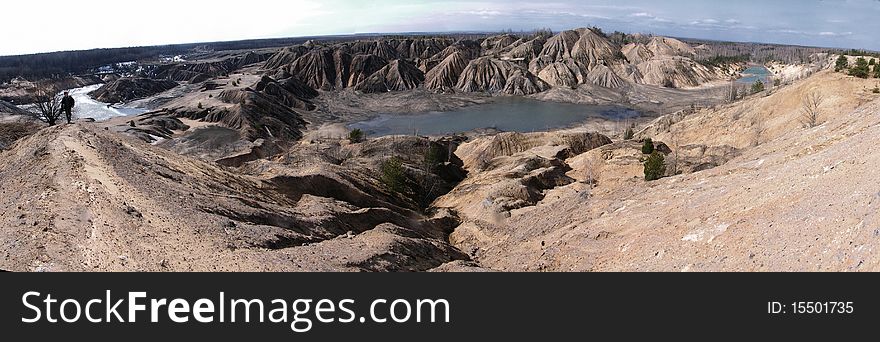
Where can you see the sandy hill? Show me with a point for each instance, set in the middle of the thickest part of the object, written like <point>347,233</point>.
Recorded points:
<point>568,59</point>
<point>800,199</point>
<point>77,198</point>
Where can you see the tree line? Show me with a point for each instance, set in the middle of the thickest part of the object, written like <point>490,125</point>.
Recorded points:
<point>65,63</point>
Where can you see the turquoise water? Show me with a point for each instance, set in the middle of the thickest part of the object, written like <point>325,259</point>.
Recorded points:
<point>755,73</point>
<point>507,114</point>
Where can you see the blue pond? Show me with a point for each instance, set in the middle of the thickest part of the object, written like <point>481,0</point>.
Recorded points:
<point>505,114</point>
<point>755,73</point>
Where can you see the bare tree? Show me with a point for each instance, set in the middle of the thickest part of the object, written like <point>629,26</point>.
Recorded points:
<point>675,146</point>
<point>47,106</point>
<point>810,109</point>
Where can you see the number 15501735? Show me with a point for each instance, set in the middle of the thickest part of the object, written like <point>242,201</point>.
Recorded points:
<point>839,308</point>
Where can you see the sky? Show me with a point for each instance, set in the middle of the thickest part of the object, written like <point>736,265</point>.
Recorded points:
<point>42,26</point>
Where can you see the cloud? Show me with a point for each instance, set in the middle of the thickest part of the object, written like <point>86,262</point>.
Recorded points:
<point>484,13</point>
<point>649,16</point>
<point>834,34</point>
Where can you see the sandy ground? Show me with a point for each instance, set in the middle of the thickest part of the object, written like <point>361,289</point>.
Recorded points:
<point>801,200</point>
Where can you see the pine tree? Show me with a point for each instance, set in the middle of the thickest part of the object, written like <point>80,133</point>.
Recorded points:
<point>393,174</point>
<point>655,166</point>
<point>877,71</point>
<point>648,146</point>
<point>861,69</point>
<point>757,87</point>
<point>842,64</point>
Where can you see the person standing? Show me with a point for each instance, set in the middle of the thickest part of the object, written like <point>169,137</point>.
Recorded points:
<point>67,104</point>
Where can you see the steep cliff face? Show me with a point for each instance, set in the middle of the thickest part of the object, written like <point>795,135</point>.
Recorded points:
<point>676,71</point>
<point>379,48</point>
<point>316,68</point>
<point>507,63</point>
<point>363,66</point>
<point>559,74</point>
<point>286,56</point>
<point>664,46</point>
<point>291,92</point>
<point>487,74</point>
<point>592,50</point>
<point>396,76</point>
<point>527,50</point>
<point>636,53</point>
<point>445,75</point>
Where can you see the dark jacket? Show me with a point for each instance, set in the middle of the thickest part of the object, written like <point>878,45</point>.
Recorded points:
<point>67,103</point>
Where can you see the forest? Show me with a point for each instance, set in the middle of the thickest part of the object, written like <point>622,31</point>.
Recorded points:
<point>58,64</point>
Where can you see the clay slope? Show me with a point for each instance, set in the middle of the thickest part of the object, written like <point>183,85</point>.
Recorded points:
<point>255,114</point>
<point>286,56</point>
<point>198,72</point>
<point>396,76</point>
<point>760,119</point>
<point>80,199</point>
<point>291,92</point>
<point>444,76</point>
<point>576,57</point>
<point>636,53</point>
<point>526,50</point>
<point>421,48</point>
<point>323,69</point>
<point>487,74</point>
<point>363,66</point>
<point>534,64</point>
<point>127,89</point>
<point>665,46</point>
<point>677,72</point>
<point>802,200</point>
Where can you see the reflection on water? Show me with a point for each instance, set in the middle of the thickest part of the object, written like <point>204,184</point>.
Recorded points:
<point>87,107</point>
<point>507,114</point>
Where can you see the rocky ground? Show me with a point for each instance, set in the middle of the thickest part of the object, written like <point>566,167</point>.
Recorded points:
<point>79,198</point>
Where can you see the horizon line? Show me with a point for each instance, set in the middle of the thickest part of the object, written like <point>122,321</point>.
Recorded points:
<point>415,33</point>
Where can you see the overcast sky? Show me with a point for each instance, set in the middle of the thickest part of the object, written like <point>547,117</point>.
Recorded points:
<point>40,26</point>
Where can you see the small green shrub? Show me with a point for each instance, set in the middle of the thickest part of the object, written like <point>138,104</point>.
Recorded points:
<point>876,90</point>
<point>777,82</point>
<point>841,64</point>
<point>655,166</point>
<point>628,134</point>
<point>648,147</point>
<point>861,69</point>
<point>435,155</point>
<point>393,175</point>
<point>757,87</point>
<point>200,105</point>
<point>356,136</point>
